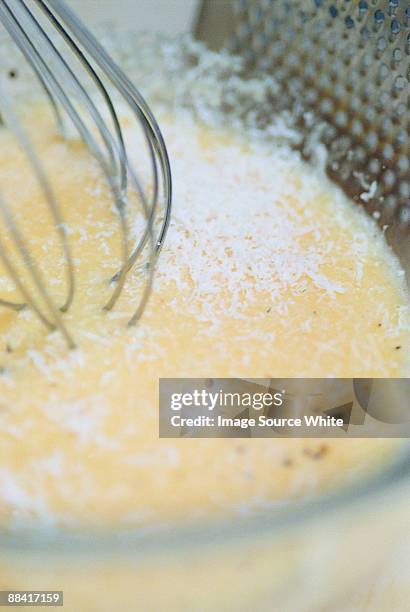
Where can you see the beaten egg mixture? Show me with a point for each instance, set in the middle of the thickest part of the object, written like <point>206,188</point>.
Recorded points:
<point>267,271</point>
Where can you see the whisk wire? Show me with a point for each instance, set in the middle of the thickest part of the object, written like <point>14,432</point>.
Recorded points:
<point>129,93</point>
<point>153,138</point>
<point>68,90</point>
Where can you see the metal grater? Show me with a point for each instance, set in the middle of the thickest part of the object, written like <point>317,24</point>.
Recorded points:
<point>343,68</point>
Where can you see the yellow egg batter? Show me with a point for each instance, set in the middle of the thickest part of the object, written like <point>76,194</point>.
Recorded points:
<point>267,271</point>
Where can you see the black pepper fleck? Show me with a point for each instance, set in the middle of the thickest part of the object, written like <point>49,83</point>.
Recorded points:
<point>318,453</point>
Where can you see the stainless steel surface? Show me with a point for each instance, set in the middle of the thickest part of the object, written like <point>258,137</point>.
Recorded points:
<point>343,71</point>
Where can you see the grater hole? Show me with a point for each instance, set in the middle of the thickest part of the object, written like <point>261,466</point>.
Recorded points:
<point>342,145</point>
<point>249,55</point>
<point>352,80</point>
<point>341,119</point>
<point>326,106</point>
<point>378,16</point>
<point>397,56</point>
<point>399,84</point>
<point>340,91</point>
<point>355,104</point>
<point>370,114</point>
<point>255,15</point>
<point>259,42</point>
<point>404,214</point>
<point>401,140</point>
<point>387,152</point>
<point>280,74</point>
<point>245,31</point>
<point>311,96</point>
<point>372,140</point>
<point>323,55</point>
<point>324,81</point>
<point>329,133</point>
<point>395,27</point>
<point>306,45</point>
<point>404,189</point>
<point>384,98</point>
<point>368,91</point>
<point>382,73</point>
<point>390,204</point>
<point>345,170</point>
<point>386,127</point>
<point>403,164</point>
<point>363,6</point>
<point>374,166</point>
<point>333,11</point>
<point>357,127</point>
<point>359,155</point>
<point>389,178</point>
<point>349,22</point>
<point>293,60</point>
<point>364,36</point>
<point>310,70</point>
<point>365,63</point>
<point>400,110</point>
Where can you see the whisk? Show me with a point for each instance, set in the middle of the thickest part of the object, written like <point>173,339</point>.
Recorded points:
<point>77,75</point>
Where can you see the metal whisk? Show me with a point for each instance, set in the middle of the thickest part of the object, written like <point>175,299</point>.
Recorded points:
<point>79,78</point>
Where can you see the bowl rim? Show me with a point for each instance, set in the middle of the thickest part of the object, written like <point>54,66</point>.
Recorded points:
<point>169,538</point>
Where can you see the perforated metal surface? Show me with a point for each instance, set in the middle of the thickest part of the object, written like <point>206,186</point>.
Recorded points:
<point>343,68</point>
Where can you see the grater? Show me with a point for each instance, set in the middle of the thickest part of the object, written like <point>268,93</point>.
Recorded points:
<point>343,70</point>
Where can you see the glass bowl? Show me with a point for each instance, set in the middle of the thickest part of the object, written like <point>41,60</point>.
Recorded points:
<point>304,556</point>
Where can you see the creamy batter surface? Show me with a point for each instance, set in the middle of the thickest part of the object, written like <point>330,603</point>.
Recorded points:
<point>267,271</point>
